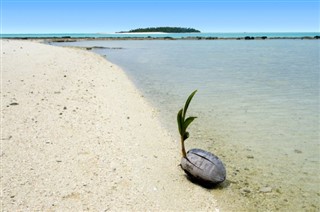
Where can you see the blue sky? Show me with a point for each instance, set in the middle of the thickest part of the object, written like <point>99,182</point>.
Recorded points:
<point>58,16</point>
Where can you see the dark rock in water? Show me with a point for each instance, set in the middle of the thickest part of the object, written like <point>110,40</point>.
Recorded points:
<point>203,167</point>
<point>249,38</point>
<point>211,38</point>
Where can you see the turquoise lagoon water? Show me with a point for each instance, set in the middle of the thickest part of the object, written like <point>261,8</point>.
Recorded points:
<point>257,107</point>
<point>173,35</point>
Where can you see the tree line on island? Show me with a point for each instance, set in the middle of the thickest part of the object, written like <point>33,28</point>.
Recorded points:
<point>162,29</point>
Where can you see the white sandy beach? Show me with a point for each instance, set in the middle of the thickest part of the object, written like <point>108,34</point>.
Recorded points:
<point>78,136</point>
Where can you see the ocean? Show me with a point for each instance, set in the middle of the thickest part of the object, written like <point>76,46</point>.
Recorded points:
<point>257,106</point>
<point>173,35</point>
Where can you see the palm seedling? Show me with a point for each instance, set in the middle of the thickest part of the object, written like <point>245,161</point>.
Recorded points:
<point>201,166</point>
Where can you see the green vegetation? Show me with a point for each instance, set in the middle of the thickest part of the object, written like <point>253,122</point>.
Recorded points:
<point>183,123</point>
<point>165,29</point>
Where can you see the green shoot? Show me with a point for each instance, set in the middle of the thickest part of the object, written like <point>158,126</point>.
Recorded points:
<point>184,122</point>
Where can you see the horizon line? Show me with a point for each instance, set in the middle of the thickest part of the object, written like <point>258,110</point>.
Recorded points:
<point>159,32</point>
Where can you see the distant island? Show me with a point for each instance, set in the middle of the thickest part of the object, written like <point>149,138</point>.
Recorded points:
<point>162,29</point>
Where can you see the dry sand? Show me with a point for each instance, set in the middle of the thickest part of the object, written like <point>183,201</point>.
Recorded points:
<point>77,135</point>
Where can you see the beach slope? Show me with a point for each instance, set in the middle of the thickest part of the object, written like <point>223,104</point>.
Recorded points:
<point>77,135</point>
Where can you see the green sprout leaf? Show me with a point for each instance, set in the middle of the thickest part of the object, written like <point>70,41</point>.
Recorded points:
<point>187,122</point>
<point>183,123</point>
<point>187,103</point>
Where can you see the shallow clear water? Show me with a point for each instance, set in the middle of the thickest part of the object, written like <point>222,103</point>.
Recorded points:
<point>257,107</point>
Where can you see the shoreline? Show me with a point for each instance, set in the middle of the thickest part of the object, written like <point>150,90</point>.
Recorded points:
<point>78,135</point>
<point>246,178</point>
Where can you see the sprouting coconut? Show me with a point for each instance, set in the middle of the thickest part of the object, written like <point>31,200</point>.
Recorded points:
<point>200,165</point>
